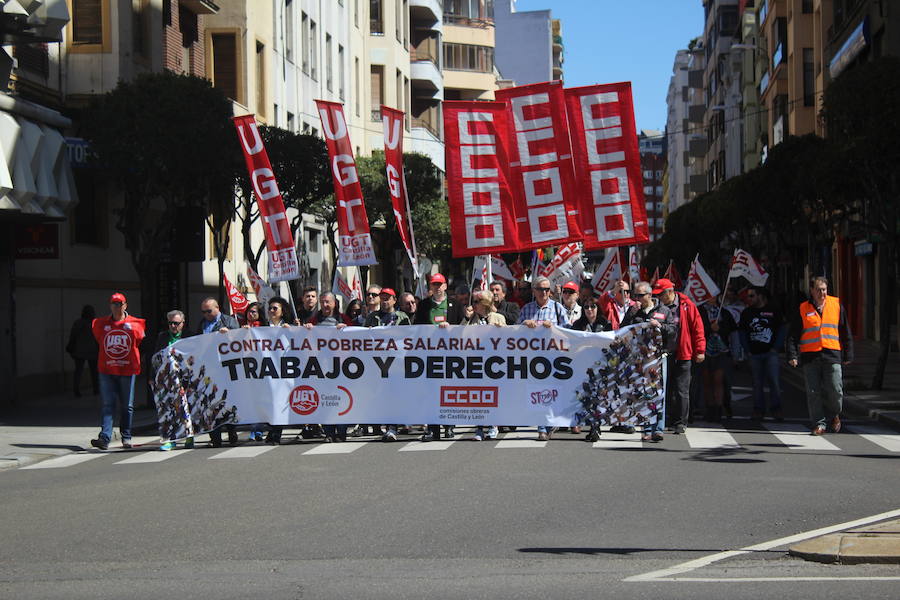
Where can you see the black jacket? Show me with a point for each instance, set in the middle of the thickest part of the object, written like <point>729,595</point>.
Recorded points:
<point>226,321</point>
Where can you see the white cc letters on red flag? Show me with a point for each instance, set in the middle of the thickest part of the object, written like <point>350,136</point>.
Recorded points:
<point>542,178</point>
<point>481,215</point>
<point>355,242</point>
<point>393,161</point>
<point>283,263</point>
<point>607,165</point>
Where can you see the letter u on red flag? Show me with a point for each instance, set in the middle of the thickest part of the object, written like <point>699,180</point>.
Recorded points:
<point>283,263</point>
<point>481,213</point>
<point>354,240</point>
<point>393,163</point>
<point>607,165</point>
<point>542,178</point>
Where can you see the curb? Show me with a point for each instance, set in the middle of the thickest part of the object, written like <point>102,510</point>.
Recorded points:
<point>876,545</point>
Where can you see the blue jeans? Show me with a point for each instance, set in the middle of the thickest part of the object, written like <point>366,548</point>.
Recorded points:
<point>116,388</point>
<point>766,369</point>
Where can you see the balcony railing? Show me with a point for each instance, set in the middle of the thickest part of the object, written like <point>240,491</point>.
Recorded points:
<point>428,54</point>
<point>466,21</point>
<point>427,125</point>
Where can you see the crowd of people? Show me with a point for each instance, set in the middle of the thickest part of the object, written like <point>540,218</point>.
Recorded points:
<point>702,346</point>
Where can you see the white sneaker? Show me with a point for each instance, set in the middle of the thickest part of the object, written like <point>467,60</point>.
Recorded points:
<point>389,436</point>
<point>492,433</point>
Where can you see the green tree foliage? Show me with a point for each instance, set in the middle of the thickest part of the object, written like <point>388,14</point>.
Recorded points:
<point>167,142</point>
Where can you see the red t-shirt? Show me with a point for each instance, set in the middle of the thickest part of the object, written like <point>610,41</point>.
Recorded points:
<point>119,341</point>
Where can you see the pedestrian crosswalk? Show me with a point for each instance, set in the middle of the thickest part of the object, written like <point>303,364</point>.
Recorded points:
<point>790,437</point>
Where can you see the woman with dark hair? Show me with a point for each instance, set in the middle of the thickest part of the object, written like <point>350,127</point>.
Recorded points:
<point>591,319</point>
<point>353,312</point>
<point>254,317</point>
<point>82,347</point>
<point>281,314</point>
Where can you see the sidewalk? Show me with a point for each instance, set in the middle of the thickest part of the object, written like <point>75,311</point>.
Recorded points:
<point>51,426</point>
<point>873,544</point>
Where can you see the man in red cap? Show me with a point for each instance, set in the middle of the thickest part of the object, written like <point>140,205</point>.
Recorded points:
<point>688,343</point>
<point>433,310</point>
<point>570,301</point>
<point>118,362</point>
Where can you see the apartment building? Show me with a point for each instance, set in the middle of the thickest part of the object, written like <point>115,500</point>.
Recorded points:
<point>529,46</point>
<point>426,25</point>
<point>653,162</point>
<point>468,50</point>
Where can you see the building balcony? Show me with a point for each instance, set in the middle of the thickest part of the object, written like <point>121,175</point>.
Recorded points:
<point>426,14</point>
<point>425,139</point>
<point>426,78</point>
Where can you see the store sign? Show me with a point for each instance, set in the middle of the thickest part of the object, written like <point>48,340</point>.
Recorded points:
<point>40,240</point>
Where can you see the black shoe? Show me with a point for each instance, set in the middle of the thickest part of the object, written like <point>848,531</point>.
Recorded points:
<point>678,429</point>
<point>593,436</point>
<point>427,437</point>
<point>215,443</point>
<point>100,443</point>
<point>232,438</point>
<point>449,434</point>
<point>272,441</point>
<point>329,439</point>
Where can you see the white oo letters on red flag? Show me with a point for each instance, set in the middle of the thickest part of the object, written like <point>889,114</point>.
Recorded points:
<point>700,287</point>
<point>607,165</point>
<point>354,240</point>
<point>283,264</point>
<point>481,216</point>
<point>542,177</point>
<point>610,271</point>
<point>565,265</point>
<point>743,265</point>
<point>237,300</point>
<point>393,160</point>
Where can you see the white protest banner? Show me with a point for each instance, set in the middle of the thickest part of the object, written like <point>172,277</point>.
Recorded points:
<point>609,272</point>
<point>469,375</point>
<point>743,265</point>
<point>262,289</point>
<point>499,270</point>
<point>634,266</point>
<point>700,287</point>
<point>565,265</point>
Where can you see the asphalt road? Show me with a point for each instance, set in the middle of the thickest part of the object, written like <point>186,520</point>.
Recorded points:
<point>563,520</point>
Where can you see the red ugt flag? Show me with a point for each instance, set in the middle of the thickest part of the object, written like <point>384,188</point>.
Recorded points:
<point>283,263</point>
<point>393,161</point>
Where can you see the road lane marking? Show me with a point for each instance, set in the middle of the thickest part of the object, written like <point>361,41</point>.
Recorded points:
<point>243,452</point>
<point>61,462</point>
<point>336,448</point>
<point>692,565</point>
<point>703,438</point>
<point>152,457</point>
<point>887,439</point>
<point>518,439</point>
<point>619,441</point>
<point>797,437</point>
<point>419,446</point>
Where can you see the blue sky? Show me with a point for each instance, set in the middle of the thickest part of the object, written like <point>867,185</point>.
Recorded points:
<point>607,41</point>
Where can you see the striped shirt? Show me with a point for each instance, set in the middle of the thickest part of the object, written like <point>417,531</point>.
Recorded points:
<point>553,311</point>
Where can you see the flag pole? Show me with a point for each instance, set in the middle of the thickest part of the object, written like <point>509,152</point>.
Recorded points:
<point>727,281</point>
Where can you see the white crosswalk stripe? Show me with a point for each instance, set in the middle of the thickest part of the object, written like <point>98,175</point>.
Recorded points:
<point>243,452</point>
<point>708,439</point>
<point>794,436</point>
<point>67,460</point>
<point>152,457</point>
<point>797,437</point>
<point>887,439</point>
<point>336,448</point>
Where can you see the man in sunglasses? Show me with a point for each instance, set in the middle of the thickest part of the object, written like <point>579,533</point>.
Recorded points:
<point>546,312</point>
<point>214,320</point>
<point>615,303</point>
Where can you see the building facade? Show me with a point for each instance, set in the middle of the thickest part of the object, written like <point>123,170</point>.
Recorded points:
<point>529,44</point>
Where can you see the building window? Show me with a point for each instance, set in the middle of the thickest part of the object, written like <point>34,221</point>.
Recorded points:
<point>225,64</point>
<point>89,217</point>
<point>468,12</point>
<point>313,51</point>
<point>140,32</point>
<point>304,39</point>
<point>33,57</point>
<point>398,20</point>
<point>329,66</point>
<point>406,101</point>
<point>467,57</point>
<point>356,13</point>
<point>398,103</point>
<point>290,121</point>
<point>377,91</point>
<point>341,72</point>
<point>809,78</point>
<point>806,7</point>
<point>261,78</point>
<point>190,35</point>
<point>87,21</point>
<point>289,30</point>
<point>376,17</point>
